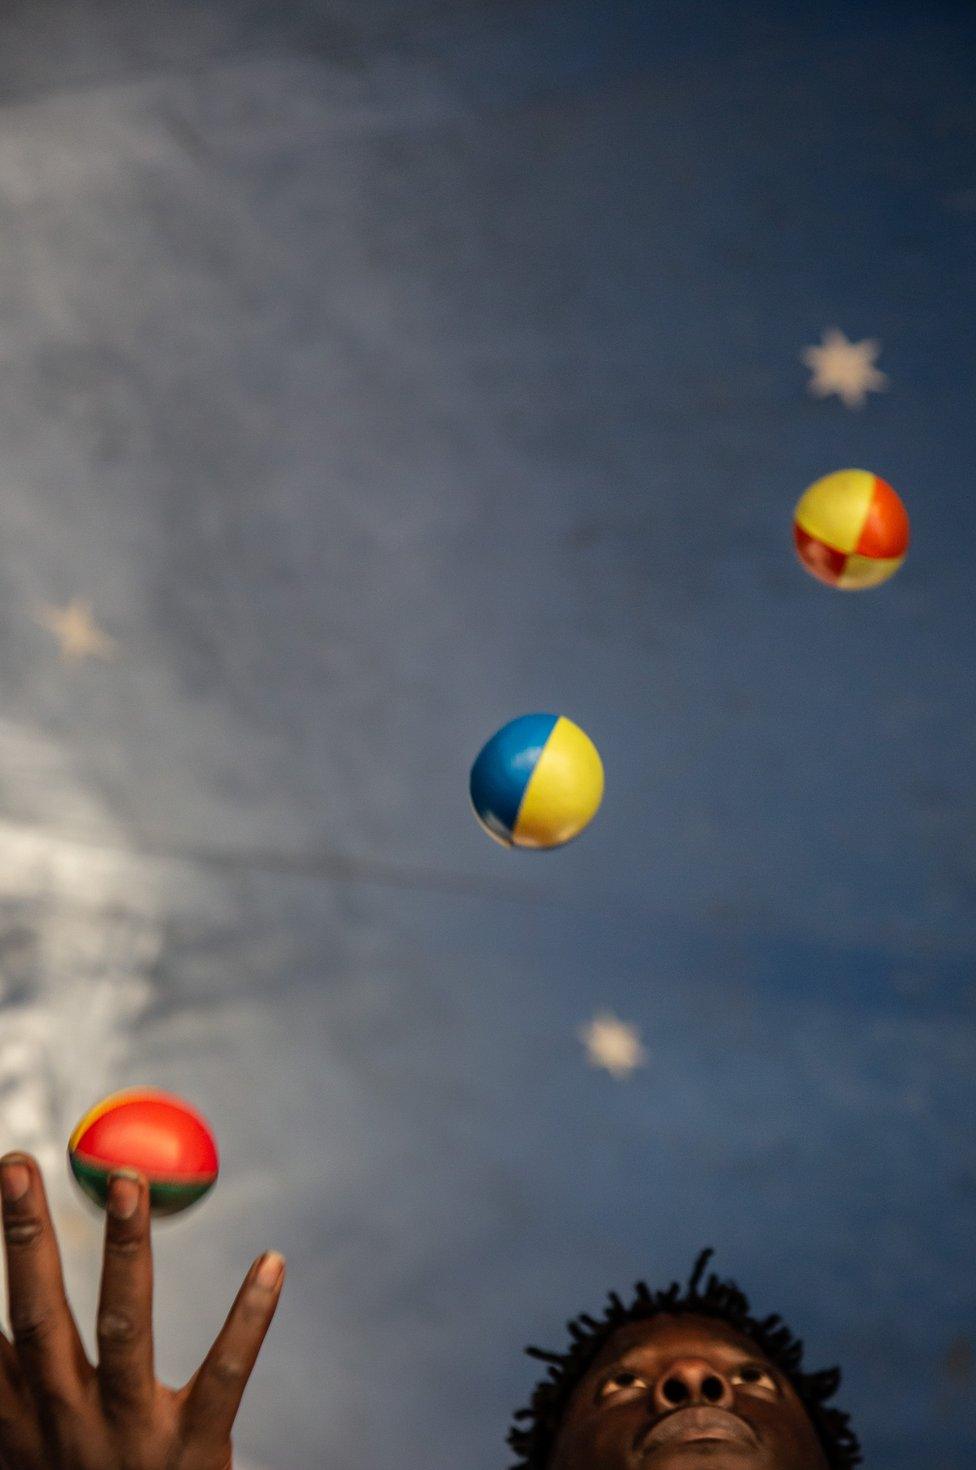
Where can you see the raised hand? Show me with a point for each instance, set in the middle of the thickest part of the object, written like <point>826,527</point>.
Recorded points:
<point>60,1412</point>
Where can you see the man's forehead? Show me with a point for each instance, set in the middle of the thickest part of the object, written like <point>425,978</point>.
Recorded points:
<point>675,1332</point>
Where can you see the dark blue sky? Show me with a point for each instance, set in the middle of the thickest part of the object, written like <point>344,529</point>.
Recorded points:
<point>380,372</point>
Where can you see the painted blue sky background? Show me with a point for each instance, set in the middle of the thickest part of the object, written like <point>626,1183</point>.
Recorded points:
<point>379,372</point>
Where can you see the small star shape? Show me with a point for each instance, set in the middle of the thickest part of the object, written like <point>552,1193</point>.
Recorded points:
<point>845,368</point>
<point>76,631</point>
<point>613,1045</point>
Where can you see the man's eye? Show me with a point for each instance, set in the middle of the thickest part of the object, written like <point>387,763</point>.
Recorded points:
<point>751,1375</point>
<point>619,1381</point>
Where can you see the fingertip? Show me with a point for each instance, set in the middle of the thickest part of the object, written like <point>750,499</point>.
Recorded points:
<point>15,1176</point>
<point>124,1172</point>
<point>125,1192</point>
<point>269,1270</point>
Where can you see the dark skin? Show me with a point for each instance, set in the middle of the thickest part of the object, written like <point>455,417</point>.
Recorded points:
<point>685,1393</point>
<point>60,1412</point>
<point>673,1393</point>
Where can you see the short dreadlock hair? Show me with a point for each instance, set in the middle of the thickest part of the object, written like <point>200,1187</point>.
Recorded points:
<point>533,1434</point>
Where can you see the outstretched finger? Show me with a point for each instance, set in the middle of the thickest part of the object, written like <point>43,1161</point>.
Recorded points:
<point>125,1348</point>
<point>215,1393</point>
<point>48,1345</point>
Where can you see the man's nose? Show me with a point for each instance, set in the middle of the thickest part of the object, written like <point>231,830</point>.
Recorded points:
<point>691,1381</point>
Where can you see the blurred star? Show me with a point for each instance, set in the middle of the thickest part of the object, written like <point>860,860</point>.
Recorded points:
<point>614,1045</point>
<point>76,631</point>
<point>845,368</point>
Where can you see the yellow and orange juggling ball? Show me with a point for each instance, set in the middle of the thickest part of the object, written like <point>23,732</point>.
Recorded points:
<point>154,1132</point>
<point>851,530</point>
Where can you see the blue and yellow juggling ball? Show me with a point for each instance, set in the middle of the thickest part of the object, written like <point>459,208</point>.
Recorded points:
<point>537,783</point>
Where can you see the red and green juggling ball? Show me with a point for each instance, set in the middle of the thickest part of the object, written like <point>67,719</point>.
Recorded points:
<point>154,1132</point>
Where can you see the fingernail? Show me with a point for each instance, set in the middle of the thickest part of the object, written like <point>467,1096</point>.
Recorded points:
<point>270,1269</point>
<point>14,1180</point>
<point>123,1194</point>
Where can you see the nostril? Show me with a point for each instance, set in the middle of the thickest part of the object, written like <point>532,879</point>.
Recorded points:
<point>712,1388</point>
<point>675,1391</point>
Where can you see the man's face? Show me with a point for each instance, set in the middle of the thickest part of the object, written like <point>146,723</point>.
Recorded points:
<point>685,1393</point>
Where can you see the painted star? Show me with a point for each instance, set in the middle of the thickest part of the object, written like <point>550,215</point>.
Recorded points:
<point>76,631</point>
<point>613,1044</point>
<point>845,368</point>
